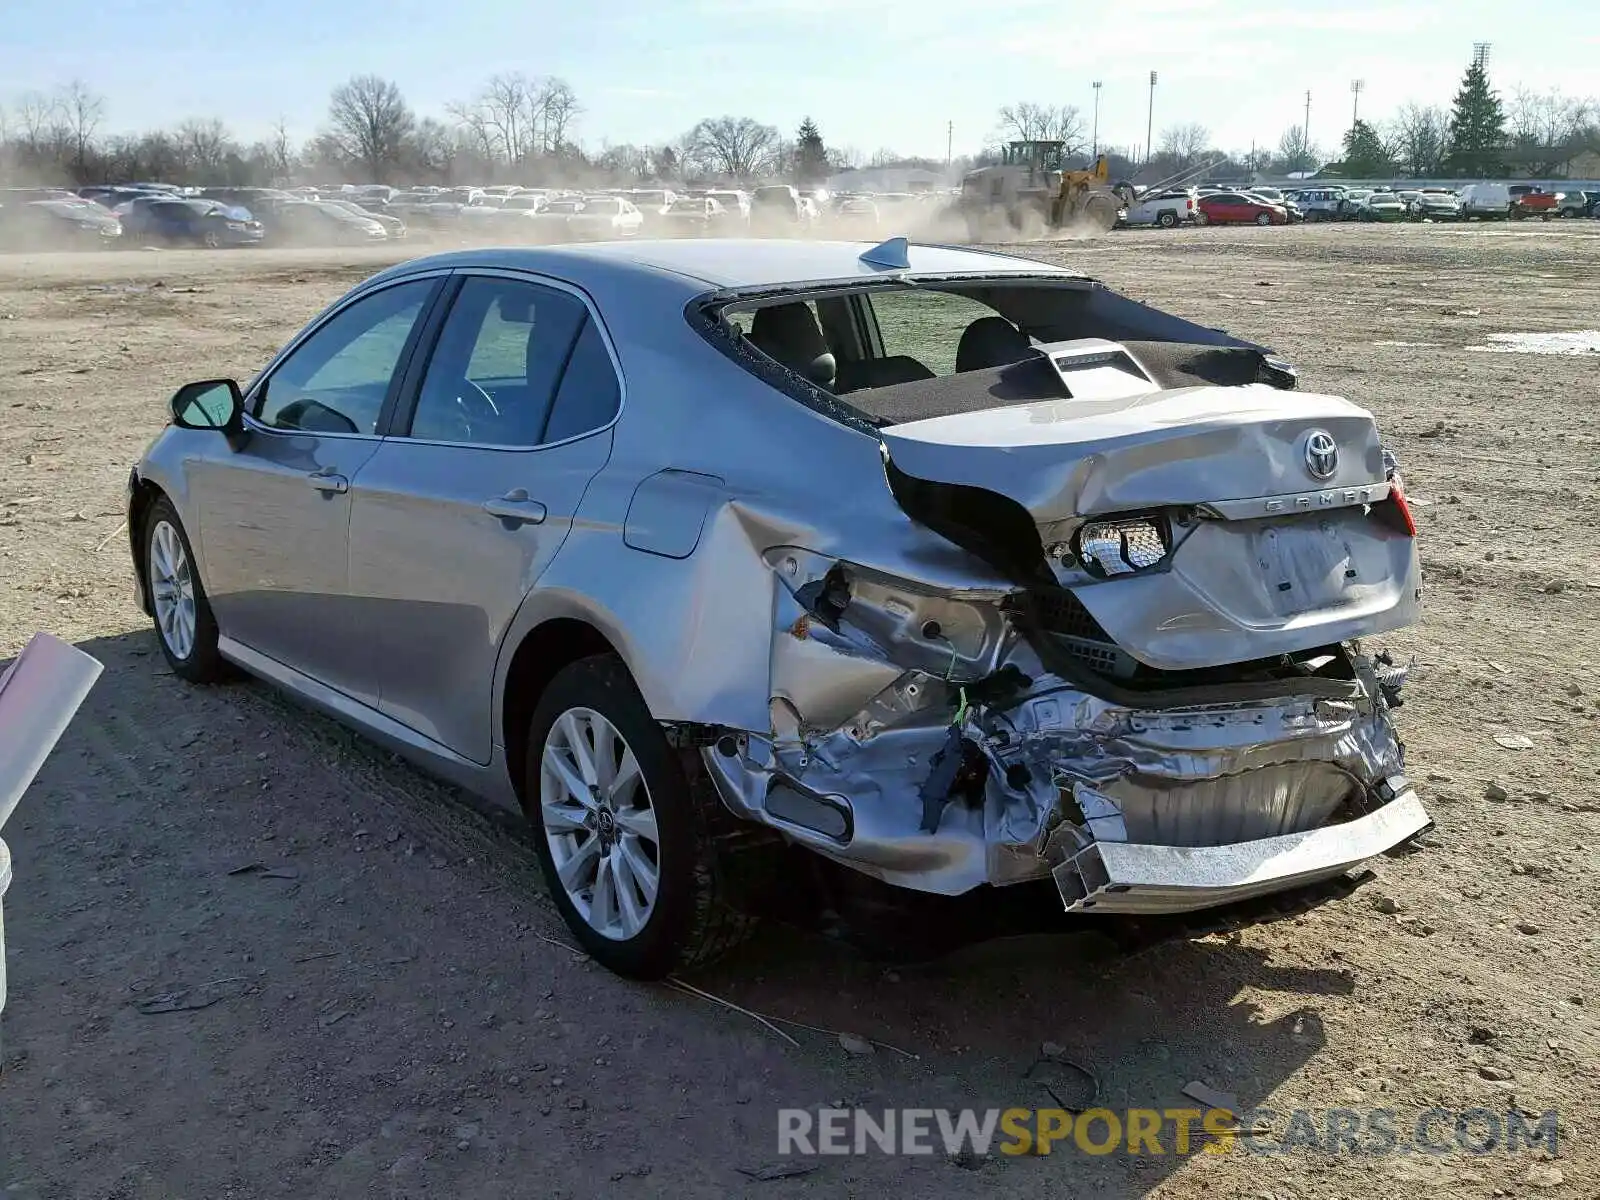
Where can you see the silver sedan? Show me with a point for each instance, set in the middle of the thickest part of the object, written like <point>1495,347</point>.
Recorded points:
<point>958,570</point>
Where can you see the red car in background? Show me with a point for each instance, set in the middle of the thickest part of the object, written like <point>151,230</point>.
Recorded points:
<point>1237,208</point>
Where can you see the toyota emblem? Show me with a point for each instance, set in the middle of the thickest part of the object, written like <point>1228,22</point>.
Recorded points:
<point>1322,454</point>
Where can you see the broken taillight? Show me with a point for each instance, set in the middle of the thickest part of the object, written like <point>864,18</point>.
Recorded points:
<point>1394,511</point>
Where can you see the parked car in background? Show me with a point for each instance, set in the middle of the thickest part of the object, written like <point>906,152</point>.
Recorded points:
<point>1382,206</point>
<point>737,206</point>
<point>776,208</point>
<point>695,216</point>
<point>394,227</point>
<point>73,224</point>
<point>1166,209</point>
<point>652,204</point>
<point>1577,203</point>
<point>1487,201</point>
<point>857,216</point>
<point>1240,208</point>
<point>1435,204</point>
<point>1530,200</point>
<point>179,221</point>
<point>605,217</point>
<point>1320,204</point>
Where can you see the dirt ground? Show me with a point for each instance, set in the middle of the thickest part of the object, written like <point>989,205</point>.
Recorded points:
<point>393,1014</point>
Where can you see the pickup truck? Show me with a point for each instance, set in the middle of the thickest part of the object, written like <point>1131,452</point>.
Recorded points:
<point>1165,209</point>
<point>1530,201</point>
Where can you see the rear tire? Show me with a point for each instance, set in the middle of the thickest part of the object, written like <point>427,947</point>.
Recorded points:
<point>1263,218</point>
<point>624,837</point>
<point>184,623</point>
<point>1167,220</point>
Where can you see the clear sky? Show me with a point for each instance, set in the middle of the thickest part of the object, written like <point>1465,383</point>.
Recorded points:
<point>872,73</point>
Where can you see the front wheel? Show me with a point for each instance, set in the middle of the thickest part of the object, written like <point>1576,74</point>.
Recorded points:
<point>622,835</point>
<point>1263,218</point>
<point>185,626</point>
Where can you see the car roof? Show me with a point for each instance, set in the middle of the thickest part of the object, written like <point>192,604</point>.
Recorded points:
<point>743,263</point>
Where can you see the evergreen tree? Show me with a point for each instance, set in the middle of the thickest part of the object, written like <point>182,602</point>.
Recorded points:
<point>810,155</point>
<point>1477,126</point>
<point>1365,155</point>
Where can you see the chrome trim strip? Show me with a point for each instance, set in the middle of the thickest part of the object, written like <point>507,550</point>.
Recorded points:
<point>1319,500</point>
<point>1121,877</point>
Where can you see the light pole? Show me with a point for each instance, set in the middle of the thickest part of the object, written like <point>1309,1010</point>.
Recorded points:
<point>1305,132</point>
<point>1150,119</point>
<point>1095,153</point>
<point>1355,102</point>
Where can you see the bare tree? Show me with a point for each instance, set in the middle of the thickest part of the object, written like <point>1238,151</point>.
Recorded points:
<point>1029,122</point>
<point>1544,126</point>
<point>435,148</point>
<point>736,147</point>
<point>558,107</point>
<point>370,124</point>
<point>1546,118</point>
<point>509,106</point>
<point>472,121</point>
<point>81,112</point>
<point>204,144</point>
<point>280,151</point>
<point>1186,144</point>
<point>1419,139</point>
<point>626,161</point>
<point>42,128</point>
<point>1295,152</point>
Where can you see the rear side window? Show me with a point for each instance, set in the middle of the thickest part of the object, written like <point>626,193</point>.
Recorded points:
<point>499,356</point>
<point>589,394</point>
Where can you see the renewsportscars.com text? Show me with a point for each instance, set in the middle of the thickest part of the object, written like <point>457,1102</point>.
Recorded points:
<point>1152,1131</point>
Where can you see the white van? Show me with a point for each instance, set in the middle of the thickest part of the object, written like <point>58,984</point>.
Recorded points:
<point>1486,200</point>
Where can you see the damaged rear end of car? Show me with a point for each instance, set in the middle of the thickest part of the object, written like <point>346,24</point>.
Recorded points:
<point>1152,684</point>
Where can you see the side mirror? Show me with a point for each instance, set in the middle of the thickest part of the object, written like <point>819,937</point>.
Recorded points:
<point>210,404</point>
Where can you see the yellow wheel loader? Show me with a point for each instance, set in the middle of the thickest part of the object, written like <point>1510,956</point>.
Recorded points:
<point>1030,194</point>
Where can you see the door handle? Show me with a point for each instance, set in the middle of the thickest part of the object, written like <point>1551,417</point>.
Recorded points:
<point>329,481</point>
<point>515,508</point>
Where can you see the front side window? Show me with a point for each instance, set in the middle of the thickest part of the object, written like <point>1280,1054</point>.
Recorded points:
<point>337,379</point>
<point>493,376</point>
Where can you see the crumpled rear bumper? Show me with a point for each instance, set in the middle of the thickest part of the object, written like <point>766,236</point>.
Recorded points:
<point>1126,877</point>
<point>1147,811</point>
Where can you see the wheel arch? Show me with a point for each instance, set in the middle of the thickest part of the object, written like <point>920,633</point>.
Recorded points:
<point>142,497</point>
<point>540,655</point>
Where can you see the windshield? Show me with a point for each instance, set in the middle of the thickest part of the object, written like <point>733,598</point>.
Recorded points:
<point>522,202</point>
<point>604,206</point>
<point>650,198</point>
<point>564,206</point>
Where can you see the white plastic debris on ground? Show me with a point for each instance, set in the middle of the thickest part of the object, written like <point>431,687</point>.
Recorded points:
<point>39,695</point>
<point>1579,342</point>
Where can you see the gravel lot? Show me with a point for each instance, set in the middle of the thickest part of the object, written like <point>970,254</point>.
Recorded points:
<point>392,1012</point>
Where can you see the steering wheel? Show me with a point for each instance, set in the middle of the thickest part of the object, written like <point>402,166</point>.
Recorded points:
<point>474,404</point>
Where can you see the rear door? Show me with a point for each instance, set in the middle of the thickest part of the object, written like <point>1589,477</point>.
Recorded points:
<point>463,506</point>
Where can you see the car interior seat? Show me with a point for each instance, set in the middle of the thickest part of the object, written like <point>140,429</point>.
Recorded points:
<point>790,334</point>
<point>990,342</point>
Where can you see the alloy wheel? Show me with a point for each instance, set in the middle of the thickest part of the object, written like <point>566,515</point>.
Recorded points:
<point>599,823</point>
<point>172,589</point>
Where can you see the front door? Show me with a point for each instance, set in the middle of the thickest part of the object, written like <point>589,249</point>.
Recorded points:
<point>464,505</point>
<point>275,516</point>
